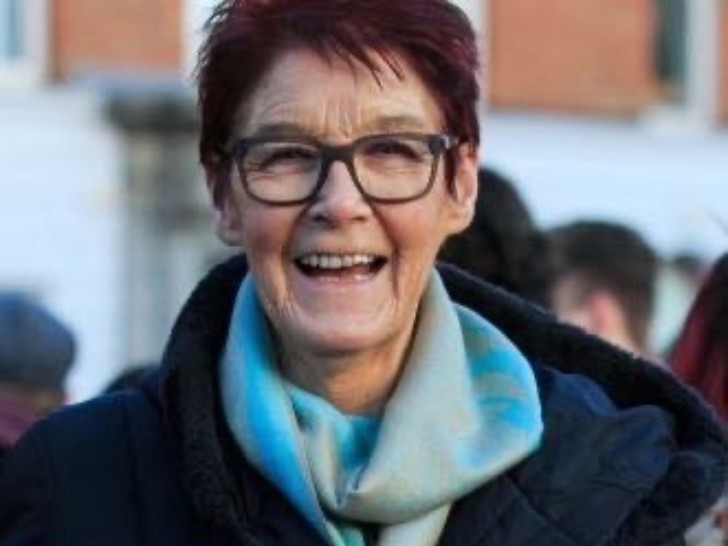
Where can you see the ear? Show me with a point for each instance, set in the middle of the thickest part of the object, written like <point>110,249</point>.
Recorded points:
<point>609,321</point>
<point>605,312</point>
<point>464,189</point>
<point>228,217</point>
<point>228,223</point>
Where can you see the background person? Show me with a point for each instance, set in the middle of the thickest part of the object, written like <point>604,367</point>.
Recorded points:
<point>503,245</point>
<point>334,392</point>
<point>700,354</point>
<point>700,358</point>
<point>604,281</point>
<point>36,353</point>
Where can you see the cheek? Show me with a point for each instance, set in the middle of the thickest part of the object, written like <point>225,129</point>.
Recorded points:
<point>421,232</point>
<point>265,237</point>
<point>265,247</point>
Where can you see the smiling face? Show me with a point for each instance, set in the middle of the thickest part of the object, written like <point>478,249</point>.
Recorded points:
<point>340,277</point>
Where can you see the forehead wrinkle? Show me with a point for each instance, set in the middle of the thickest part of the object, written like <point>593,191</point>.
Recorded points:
<point>339,119</point>
<point>354,103</point>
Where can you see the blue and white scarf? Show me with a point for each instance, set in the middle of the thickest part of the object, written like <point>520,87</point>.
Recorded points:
<point>465,410</point>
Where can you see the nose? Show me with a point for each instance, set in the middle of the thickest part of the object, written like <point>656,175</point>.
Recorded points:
<point>339,200</point>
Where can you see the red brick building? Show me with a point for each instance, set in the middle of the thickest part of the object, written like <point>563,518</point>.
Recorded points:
<point>601,56</point>
<point>723,66</point>
<point>594,57</point>
<point>579,55</point>
<point>123,35</point>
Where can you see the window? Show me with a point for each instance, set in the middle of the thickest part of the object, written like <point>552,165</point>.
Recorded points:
<point>671,51</point>
<point>23,35</point>
<point>11,46</point>
<point>196,13</point>
<point>686,63</point>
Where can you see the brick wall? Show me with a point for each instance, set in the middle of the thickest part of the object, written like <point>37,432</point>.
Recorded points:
<point>112,35</point>
<point>573,55</point>
<point>723,66</point>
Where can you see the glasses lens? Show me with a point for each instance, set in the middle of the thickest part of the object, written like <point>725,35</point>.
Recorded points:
<point>393,166</point>
<point>280,171</point>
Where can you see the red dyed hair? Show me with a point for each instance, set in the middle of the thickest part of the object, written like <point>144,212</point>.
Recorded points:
<point>245,37</point>
<point>700,356</point>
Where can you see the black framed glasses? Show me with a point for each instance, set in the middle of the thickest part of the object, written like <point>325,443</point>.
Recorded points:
<point>386,168</point>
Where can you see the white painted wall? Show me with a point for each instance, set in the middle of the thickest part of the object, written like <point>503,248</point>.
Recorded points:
<point>671,185</point>
<point>474,9</point>
<point>703,60</point>
<point>28,71</point>
<point>60,214</point>
<point>194,15</point>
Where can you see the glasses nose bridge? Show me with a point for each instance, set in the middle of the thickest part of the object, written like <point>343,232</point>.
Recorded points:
<point>331,154</point>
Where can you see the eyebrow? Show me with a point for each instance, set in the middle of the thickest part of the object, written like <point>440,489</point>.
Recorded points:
<point>280,129</point>
<point>397,123</point>
<point>381,124</point>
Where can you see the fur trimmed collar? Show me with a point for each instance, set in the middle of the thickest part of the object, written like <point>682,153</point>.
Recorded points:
<point>219,479</point>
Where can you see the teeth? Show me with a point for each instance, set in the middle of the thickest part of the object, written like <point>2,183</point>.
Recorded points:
<point>336,261</point>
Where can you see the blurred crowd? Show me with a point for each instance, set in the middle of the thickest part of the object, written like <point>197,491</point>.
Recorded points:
<point>605,278</point>
<point>598,275</point>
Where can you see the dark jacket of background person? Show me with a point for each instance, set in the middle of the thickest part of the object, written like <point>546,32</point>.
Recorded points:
<point>36,353</point>
<point>503,244</point>
<point>610,470</point>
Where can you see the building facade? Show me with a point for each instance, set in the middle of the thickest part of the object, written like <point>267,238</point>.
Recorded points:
<point>104,215</point>
<point>596,57</point>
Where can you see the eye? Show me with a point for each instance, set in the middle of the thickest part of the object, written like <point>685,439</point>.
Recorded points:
<point>395,148</point>
<point>276,156</point>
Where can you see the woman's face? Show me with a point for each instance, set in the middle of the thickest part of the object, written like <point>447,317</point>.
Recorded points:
<point>307,259</point>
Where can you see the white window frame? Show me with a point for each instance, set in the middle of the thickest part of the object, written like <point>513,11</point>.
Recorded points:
<point>703,50</point>
<point>196,13</point>
<point>30,70</point>
<point>698,111</point>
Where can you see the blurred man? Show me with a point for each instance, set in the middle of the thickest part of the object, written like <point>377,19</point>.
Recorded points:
<point>36,352</point>
<point>604,281</point>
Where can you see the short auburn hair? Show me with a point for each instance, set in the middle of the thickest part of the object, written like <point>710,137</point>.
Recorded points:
<point>245,37</point>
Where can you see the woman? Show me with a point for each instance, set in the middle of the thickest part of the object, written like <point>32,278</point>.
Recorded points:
<point>336,394</point>
<point>700,358</point>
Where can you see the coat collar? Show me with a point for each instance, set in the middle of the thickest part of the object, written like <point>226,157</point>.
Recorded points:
<point>228,494</point>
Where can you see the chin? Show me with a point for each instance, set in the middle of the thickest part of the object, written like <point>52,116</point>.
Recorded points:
<point>339,340</point>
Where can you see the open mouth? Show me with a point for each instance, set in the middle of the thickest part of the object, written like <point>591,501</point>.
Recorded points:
<point>357,266</point>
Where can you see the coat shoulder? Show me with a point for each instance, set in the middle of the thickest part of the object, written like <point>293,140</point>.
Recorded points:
<point>80,474</point>
<point>97,431</point>
<point>603,470</point>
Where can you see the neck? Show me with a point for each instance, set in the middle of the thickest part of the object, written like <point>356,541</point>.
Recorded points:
<point>356,384</point>
<point>614,330</point>
<point>622,339</point>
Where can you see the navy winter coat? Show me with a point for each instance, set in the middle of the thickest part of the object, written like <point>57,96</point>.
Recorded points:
<point>629,456</point>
